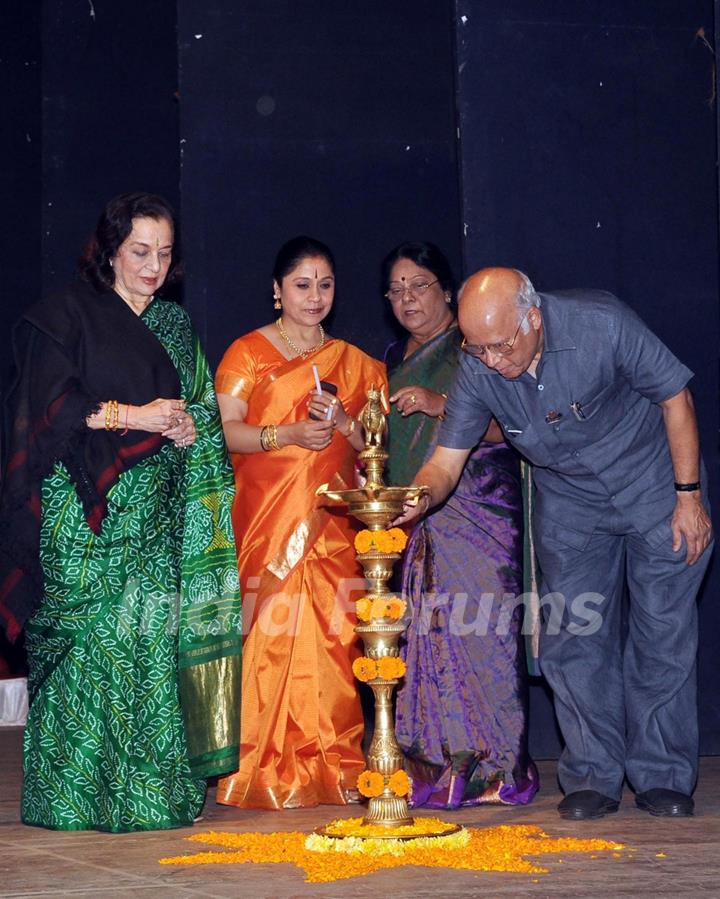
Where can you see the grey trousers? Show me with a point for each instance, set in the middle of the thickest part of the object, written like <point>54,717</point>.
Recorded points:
<point>625,697</point>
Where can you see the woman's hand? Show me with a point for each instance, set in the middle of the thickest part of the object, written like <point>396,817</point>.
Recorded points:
<point>326,407</point>
<point>312,435</point>
<point>182,431</point>
<point>419,399</point>
<point>156,417</point>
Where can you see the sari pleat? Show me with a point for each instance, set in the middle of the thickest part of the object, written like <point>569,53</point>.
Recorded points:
<point>302,723</point>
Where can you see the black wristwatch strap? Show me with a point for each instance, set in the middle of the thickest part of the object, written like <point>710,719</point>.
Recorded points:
<point>687,488</point>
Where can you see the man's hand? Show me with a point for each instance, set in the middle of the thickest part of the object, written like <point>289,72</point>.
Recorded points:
<point>412,509</point>
<point>691,521</point>
<point>440,474</point>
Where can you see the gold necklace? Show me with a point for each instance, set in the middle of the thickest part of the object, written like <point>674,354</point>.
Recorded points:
<point>293,346</point>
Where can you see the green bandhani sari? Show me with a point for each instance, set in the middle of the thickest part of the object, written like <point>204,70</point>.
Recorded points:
<point>135,651</point>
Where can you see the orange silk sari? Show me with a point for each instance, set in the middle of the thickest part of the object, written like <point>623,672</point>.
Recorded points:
<point>301,721</point>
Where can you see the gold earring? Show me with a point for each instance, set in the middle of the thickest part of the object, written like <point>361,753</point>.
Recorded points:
<point>277,304</point>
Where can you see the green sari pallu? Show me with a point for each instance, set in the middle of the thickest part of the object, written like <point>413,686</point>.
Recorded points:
<point>135,651</point>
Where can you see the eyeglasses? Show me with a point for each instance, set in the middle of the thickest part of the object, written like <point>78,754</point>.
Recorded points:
<point>503,348</point>
<point>416,289</point>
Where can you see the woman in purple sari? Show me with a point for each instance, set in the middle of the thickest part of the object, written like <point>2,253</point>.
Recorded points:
<point>462,710</point>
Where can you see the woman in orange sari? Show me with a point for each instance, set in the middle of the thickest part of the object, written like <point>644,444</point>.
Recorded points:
<point>302,725</point>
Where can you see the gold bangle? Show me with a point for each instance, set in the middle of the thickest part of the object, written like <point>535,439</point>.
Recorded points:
<point>112,415</point>
<point>273,437</point>
<point>351,428</point>
<point>269,438</point>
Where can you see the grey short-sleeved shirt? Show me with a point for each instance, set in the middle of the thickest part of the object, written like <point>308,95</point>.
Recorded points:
<point>599,358</point>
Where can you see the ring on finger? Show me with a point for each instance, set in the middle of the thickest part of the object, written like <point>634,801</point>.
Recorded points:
<point>413,398</point>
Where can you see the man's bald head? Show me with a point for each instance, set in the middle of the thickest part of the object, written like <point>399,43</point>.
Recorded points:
<point>493,291</point>
<point>499,306</point>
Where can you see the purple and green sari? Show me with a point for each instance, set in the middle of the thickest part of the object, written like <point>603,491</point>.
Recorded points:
<point>461,715</point>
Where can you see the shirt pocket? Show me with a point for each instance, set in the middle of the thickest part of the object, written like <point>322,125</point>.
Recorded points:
<point>601,411</point>
<point>526,441</point>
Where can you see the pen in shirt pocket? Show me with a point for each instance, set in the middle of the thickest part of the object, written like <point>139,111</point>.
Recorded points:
<point>577,411</point>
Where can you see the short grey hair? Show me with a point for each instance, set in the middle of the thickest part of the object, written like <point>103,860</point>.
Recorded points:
<point>527,298</point>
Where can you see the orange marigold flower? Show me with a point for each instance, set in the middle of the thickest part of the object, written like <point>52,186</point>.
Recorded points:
<point>365,669</point>
<point>396,608</point>
<point>380,608</point>
<point>399,539</point>
<point>371,783</point>
<point>392,541</point>
<point>390,667</point>
<point>363,541</point>
<point>399,783</point>
<point>363,608</point>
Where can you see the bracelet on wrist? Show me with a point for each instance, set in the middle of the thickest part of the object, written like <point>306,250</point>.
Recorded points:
<point>112,414</point>
<point>352,424</point>
<point>263,439</point>
<point>687,488</point>
<point>269,438</point>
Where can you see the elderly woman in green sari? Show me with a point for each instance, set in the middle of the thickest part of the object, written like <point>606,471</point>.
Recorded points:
<point>117,547</point>
<point>461,710</point>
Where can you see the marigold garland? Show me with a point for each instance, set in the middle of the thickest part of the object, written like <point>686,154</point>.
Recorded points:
<point>388,607</point>
<point>363,608</point>
<point>368,608</point>
<point>390,667</point>
<point>371,783</point>
<point>365,669</point>
<point>399,538</point>
<point>397,608</point>
<point>363,541</point>
<point>399,783</point>
<point>488,849</point>
<point>387,667</point>
<point>392,541</point>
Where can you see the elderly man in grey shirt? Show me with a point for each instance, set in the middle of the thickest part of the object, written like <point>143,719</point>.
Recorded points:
<point>599,406</point>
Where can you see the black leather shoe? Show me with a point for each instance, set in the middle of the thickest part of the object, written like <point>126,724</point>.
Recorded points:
<point>587,804</point>
<point>665,803</point>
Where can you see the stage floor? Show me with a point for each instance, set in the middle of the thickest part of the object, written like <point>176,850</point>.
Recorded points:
<point>36,862</point>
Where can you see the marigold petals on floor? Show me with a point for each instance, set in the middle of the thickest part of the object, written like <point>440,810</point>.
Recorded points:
<point>502,849</point>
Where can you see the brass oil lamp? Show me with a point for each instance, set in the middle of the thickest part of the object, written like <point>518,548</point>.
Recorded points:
<point>377,506</point>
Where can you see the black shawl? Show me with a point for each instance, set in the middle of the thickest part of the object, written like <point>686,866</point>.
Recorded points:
<point>73,351</point>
